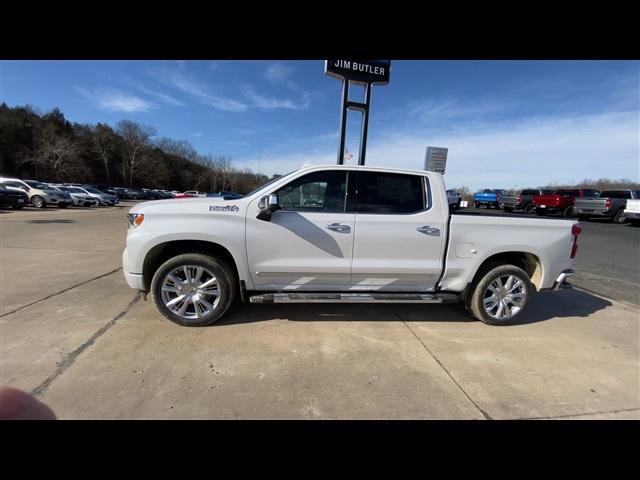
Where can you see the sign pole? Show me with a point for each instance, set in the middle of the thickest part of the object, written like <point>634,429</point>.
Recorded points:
<point>365,125</point>
<point>343,120</point>
<point>362,72</point>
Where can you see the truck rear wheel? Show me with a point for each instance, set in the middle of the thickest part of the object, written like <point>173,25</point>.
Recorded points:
<point>567,212</point>
<point>619,217</point>
<point>193,289</point>
<point>501,295</point>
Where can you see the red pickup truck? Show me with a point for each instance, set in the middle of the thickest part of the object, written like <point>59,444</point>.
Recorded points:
<point>561,201</point>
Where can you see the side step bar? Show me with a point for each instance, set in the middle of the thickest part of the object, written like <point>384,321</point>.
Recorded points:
<point>332,297</point>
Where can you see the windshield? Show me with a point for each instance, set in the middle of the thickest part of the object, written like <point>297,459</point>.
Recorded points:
<point>74,190</point>
<point>268,183</point>
<point>93,190</point>
<point>38,185</point>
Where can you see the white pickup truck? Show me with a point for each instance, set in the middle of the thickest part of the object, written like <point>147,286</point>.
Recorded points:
<point>342,234</point>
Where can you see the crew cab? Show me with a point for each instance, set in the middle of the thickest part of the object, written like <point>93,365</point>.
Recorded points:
<point>488,198</point>
<point>561,201</point>
<point>374,235</point>
<point>611,204</point>
<point>523,200</point>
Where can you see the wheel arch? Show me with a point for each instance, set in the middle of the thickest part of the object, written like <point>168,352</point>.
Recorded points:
<point>162,252</point>
<point>527,261</point>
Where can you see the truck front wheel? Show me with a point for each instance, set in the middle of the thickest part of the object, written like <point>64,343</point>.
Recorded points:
<point>501,295</point>
<point>193,289</point>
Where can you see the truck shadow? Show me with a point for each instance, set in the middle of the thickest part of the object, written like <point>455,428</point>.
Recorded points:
<point>545,306</point>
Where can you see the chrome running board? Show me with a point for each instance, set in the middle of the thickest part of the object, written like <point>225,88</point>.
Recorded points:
<point>333,297</point>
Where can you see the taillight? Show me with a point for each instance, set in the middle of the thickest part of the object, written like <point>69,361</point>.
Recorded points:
<point>607,204</point>
<point>575,231</point>
<point>518,199</point>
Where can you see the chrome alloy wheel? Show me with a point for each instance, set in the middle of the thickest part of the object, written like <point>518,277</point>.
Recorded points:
<point>190,292</point>
<point>504,297</point>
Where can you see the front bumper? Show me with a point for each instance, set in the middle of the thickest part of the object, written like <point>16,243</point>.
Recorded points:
<point>561,282</point>
<point>134,280</point>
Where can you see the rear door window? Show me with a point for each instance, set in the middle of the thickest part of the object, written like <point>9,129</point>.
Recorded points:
<point>389,193</point>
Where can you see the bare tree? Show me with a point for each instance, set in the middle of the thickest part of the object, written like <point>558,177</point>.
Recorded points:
<point>103,146</point>
<point>54,152</point>
<point>136,138</point>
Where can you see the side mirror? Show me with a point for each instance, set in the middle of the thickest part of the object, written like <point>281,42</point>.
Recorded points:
<point>266,206</point>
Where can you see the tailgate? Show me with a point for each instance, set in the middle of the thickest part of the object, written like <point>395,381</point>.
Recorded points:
<point>548,200</point>
<point>590,204</point>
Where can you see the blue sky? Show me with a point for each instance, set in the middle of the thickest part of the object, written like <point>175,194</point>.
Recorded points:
<point>506,123</point>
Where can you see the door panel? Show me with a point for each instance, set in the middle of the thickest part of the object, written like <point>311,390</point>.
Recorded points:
<point>396,251</point>
<point>308,244</point>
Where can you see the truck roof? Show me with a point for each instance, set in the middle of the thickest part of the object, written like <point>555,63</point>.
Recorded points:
<point>372,168</point>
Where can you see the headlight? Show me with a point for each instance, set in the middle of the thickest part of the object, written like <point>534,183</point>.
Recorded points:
<point>135,219</point>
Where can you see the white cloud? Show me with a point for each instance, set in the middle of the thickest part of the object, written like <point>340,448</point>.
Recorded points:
<point>201,92</point>
<point>278,72</point>
<point>113,100</point>
<point>163,97</point>
<point>531,153</point>
<point>197,134</point>
<point>269,103</point>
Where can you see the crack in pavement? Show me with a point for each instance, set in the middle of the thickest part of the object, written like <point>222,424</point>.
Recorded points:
<point>580,414</point>
<point>71,357</point>
<point>61,291</point>
<point>483,412</point>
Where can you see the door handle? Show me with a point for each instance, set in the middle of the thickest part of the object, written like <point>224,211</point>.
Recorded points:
<point>338,227</point>
<point>426,229</point>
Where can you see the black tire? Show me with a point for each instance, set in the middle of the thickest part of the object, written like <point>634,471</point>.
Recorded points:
<point>619,217</point>
<point>530,209</point>
<point>508,209</point>
<point>225,280</point>
<point>567,212</point>
<point>63,205</point>
<point>478,291</point>
<point>38,202</point>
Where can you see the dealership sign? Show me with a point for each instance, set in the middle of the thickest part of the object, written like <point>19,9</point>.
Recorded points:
<point>436,159</point>
<point>360,71</point>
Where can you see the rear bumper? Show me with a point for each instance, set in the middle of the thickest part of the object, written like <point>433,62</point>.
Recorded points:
<point>632,215</point>
<point>561,282</point>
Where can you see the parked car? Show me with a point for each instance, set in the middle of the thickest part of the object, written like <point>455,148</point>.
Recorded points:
<point>104,188</point>
<point>79,196</point>
<point>632,212</point>
<point>611,204</point>
<point>523,200</point>
<point>194,193</point>
<point>378,237</point>
<point>230,195</point>
<point>102,197</point>
<point>562,200</point>
<point>454,199</point>
<point>13,198</point>
<point>40,194</point>
<point>488,198</point>
<point>127,193</point>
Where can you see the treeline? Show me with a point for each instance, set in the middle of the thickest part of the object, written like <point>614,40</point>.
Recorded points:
<point>48,147</point>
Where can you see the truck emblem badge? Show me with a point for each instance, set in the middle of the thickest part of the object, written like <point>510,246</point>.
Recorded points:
<point>226,208</point>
